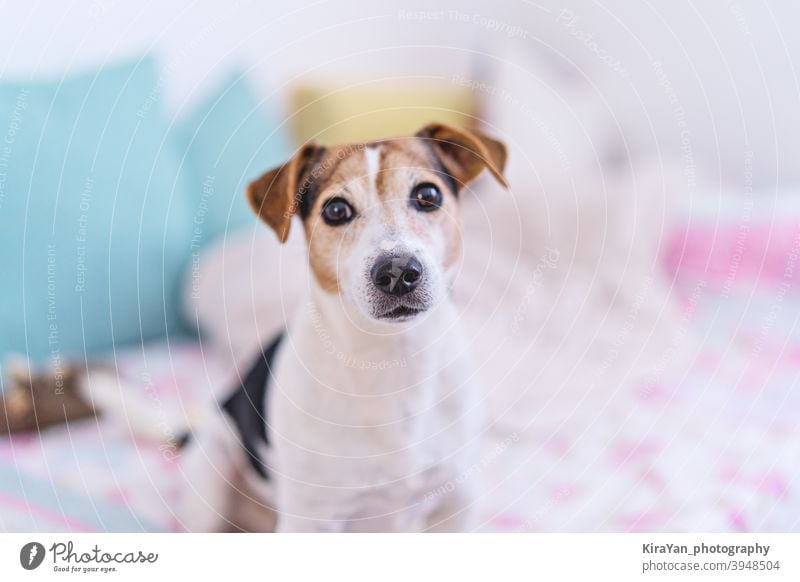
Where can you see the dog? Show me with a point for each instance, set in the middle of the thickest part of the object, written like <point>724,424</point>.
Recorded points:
<point>364,415</point>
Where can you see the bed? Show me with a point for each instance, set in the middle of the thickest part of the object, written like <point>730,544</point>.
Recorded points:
<point>705,439</point>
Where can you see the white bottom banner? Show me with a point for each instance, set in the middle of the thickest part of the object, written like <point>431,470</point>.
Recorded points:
<point>379,557</point>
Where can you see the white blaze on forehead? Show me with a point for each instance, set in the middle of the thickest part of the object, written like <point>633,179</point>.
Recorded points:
<point>373,156</point>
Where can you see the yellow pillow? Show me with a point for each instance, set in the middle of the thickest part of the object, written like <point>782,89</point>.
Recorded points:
<point>332,113</point>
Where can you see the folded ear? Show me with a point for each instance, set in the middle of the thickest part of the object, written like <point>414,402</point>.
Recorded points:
<point>466,153</point>
<point>275,196</point>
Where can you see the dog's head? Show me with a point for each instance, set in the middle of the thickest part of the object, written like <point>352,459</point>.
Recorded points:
<point>381,219</point>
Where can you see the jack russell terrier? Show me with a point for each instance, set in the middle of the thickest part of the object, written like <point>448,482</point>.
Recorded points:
<point>363,416</point>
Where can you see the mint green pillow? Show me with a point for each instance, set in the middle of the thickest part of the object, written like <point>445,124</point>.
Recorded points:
<point>228,140</point>
<point>95,221</point>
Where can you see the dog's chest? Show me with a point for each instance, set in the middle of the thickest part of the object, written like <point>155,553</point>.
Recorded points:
<point>373,418</point>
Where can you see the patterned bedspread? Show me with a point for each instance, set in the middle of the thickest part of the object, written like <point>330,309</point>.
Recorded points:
<point>705,442</point>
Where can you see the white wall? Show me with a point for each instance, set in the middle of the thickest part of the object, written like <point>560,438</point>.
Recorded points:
<point>201,40</point>
<point>730,65</point>
<point>729,70</point>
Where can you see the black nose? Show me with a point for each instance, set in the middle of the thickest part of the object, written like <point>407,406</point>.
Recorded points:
<point>397,275</point>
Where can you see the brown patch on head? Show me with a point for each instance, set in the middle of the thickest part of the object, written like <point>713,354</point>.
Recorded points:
<point>337,174</point>
<point>322,259</point>
<point>406,163</point>
<point>455,244</point>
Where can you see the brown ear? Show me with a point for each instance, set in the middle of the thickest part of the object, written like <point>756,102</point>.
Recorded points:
<point>465,153</point>
<point>276,195</point>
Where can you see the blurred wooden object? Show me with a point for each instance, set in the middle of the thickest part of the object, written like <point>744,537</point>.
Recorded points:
<point>34,401</point>
<point>333,112</point>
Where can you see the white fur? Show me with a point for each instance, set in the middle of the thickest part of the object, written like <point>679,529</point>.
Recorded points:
<point>221,490</point>
<point>370,444</point>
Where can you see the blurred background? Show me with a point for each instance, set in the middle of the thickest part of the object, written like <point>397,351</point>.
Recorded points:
<point>633,299</point>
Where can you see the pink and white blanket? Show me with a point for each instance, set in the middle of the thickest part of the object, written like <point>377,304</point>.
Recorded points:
<point>669,402</point>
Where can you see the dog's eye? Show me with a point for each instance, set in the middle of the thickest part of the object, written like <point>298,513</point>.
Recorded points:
<point>426,197</point>
<point>337,211</point>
